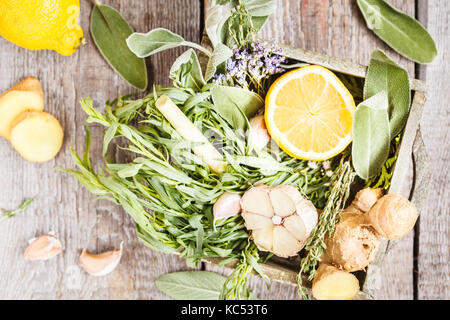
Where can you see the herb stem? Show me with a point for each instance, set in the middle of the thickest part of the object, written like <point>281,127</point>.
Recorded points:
<point>198,47</point>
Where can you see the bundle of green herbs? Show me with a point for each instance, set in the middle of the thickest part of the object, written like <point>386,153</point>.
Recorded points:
<point>169,188</point>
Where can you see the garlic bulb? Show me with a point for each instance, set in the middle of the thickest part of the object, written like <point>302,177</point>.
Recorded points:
<point>44,247</point>
<point>279,218</point>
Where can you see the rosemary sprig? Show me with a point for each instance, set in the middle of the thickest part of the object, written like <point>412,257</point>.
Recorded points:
<point>7,214</point>
<point>315,246</point>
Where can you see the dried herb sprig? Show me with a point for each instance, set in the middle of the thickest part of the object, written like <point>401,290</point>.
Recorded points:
<point>11,213</point>
<point>339,193</point>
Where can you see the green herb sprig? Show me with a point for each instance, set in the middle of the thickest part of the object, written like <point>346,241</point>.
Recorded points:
<point>339,193</point>
<point>7,214</point>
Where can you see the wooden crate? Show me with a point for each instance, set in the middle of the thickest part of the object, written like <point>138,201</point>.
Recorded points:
<point>286,270</point>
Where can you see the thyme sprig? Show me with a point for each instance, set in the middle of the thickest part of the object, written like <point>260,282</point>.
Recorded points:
<point>339,193</point>
<point>7,214</point>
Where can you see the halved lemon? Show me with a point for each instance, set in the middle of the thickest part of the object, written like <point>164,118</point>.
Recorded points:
<point>309,113</point>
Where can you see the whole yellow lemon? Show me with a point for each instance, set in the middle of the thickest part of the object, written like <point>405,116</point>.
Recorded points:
<point>42,24</point>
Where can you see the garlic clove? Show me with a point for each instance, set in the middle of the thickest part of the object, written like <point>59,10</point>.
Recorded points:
<point>226,206</point>
<point>307,211</point>
<point>284,244</point>
<point>101,264</point>
<point>256,200</point>
<point>282,203</point>
<point>263,238</point>
<point>294,224</point>
<point>44,247</point>
<point>259,135</point>
<point>255,221</point>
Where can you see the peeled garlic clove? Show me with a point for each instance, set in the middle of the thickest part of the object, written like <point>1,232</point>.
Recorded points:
<point>259,136</point>
<point>101,264</point>
<point>226,206</point>
<point>282,203</point>
<point>263,238</point>
<point>45,247</point>
<point>256,200</point>
<point>255,221</point>
<point>294,224</point>
<point>284,244</point>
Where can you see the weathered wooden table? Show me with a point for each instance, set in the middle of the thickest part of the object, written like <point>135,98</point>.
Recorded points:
<point>417,268</point>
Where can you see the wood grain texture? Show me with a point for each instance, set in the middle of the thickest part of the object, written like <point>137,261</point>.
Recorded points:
<point>433,274</point>
<point>62,204</point>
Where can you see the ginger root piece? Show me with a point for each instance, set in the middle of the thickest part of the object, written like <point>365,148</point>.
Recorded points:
<point>279,218</point>
<point>393,216</point>
<point>25,95</point>
<point>353,244</point>
<point>364,200</point>
<point>331,283</point>
<point>37,136</point>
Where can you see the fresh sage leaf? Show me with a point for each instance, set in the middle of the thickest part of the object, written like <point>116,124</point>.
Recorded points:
<point>220,55</point>
<point>384,74</point>
<point>216,18</point>
<point>401,32</point>
<point>157,40</point>
<point>260,8</point>
<point>109,31</point>
<point>191,285</point>
<point>371,137</point>
<point>236,105</point>
<point>186,71</point>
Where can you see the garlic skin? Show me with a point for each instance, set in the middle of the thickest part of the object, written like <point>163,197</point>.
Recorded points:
<point>226,206</point>
<point>100,264</point>
<point>259,135</point>
<point>44,247</point>
<point>279,218</point>
<point>393,216</point>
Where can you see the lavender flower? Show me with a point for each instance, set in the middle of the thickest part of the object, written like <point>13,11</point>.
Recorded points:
<point>251,65</point>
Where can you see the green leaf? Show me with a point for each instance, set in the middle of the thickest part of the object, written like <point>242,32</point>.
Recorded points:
<point>220,55</point>
<point>384,74</point>
<point>401,32</point>
<point>157,40</point>
<point>236,105</point>
<point>216,18</point>
<point>186,71</point>
<point>109,31</point>
<point>371,137</point>
<point>191,285</point>
<point>260,8</point>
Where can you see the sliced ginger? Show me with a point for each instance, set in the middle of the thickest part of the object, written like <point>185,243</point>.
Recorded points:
<point>24,96</point>
<point>37,136</point>
<point>331,283</point>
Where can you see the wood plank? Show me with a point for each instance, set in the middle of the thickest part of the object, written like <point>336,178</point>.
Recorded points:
<point>62,204</point>
<point>433,280</point>
<point>337,28</point>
